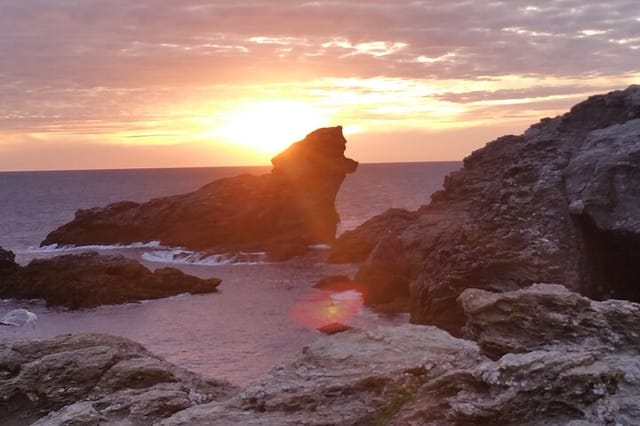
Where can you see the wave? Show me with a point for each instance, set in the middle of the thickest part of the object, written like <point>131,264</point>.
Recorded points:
<point>186,257</point>
<point>55,248</point>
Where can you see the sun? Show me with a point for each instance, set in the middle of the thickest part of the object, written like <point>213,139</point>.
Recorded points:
<point>267,126</point>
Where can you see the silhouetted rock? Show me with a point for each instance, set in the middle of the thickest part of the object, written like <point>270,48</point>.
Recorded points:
<point>560,203</point>
<point>94,379</point>
<point>7,261</point>
<point>88,279</point>
<point>281,213</point>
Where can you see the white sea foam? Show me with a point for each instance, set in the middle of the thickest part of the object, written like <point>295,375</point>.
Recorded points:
<point>55,248</point>
<point>320,247</point>
<point>346,295</point>
<point>180,256</point>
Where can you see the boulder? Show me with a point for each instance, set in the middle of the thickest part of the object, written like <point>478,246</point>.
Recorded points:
<point>547,316</point>
<point>385,274</point>
<point>89,279</point>
<point>559,203</point>
<point>94,379</point>
<point>281,213</point>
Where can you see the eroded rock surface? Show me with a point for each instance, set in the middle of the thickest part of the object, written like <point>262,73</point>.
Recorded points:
<point>281,213</point>
<point>94,379</point>
<point>354,377</point>
<point>543,356</point>
<point>560,203</point>
<point>546,356</point>
<point>89,279</point>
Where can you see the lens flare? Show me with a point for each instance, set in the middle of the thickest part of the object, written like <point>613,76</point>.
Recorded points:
<point>318,308</point>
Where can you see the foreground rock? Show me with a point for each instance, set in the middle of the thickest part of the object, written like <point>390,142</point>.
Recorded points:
<point>560,203</point>
<point>544,356</point>
<point>565,359</point>
<point>89,279</point>
<point>281,213</point>
<point>94,379</point>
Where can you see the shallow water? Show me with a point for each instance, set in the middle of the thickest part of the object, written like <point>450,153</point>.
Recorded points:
<point>242,331</point>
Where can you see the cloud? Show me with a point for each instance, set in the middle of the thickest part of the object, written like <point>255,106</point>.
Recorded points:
<point>93,67</point>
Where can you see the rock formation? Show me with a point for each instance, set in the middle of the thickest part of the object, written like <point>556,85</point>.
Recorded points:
<point>94,379</point>
<point>281,213</point>
<point>89,279</point>
<point>564,359</point>
<point>542,356</point>
<point>560,203</point>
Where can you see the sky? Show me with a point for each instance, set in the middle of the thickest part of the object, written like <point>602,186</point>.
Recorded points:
<point>163,83</point>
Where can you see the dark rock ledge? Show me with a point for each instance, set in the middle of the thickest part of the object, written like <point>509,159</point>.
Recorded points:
<point>537,356</point>
<point>88,279</point>
<point>559,203</point>
<point>281,213</point>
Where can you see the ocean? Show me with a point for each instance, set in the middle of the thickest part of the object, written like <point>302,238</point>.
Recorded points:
<point>242,331</point>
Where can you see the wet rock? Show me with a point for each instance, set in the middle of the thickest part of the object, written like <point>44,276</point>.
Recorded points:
<point>94,379</point>
<point>89,279</point>
<point>280,213</point>
<point>556,204</point>
<point>335,282</point>
<point>334,328</point>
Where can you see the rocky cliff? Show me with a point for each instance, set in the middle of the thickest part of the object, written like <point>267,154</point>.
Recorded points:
<point>282,212</point>
<point>559,203</point>
<point>89,279</point>
<point>536,356</point>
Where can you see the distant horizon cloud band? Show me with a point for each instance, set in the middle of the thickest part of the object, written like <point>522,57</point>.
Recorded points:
<point>156,83</point>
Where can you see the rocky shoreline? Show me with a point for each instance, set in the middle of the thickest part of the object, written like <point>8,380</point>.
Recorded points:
<point>507,273</point>
<point>537,356</point>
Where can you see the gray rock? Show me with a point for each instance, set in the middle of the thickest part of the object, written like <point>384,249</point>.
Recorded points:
<point>94,379</point>
<point>355,377</point>
<point>546,357</point>
<point>281,213</point>
<point>560,203</point>
<point>547,316</point>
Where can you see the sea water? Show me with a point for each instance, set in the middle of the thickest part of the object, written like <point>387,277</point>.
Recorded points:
<point>238,333</point>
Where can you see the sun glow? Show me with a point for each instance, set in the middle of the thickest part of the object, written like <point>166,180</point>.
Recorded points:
<point>267,126</point>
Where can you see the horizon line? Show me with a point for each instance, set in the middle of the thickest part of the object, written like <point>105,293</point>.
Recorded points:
<point>205,167</point>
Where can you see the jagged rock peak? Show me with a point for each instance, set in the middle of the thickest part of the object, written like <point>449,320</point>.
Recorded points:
<point>280,213</point>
